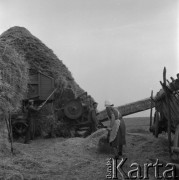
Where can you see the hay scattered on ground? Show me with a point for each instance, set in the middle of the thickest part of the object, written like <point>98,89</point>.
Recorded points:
<point>98,142</point>
<point>78,158</point>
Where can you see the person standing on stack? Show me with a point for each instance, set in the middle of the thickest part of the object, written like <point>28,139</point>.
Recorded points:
<point>117,129</point>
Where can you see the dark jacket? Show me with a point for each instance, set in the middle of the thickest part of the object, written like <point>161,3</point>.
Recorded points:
<point>93,120</point>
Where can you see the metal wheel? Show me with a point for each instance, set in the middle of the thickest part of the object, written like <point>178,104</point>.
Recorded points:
<point>73,109</point>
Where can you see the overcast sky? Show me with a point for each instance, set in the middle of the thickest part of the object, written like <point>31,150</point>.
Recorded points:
<point>115,49</point>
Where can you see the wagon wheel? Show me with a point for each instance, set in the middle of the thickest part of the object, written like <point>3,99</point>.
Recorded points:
<point>73,109</point>
<point>156,124</point>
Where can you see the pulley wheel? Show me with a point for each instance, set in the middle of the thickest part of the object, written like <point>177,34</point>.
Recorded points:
<point>73,109</point>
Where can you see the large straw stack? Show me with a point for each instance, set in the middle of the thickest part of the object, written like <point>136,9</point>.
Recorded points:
<point>13,85</point>
<point>39,56</point>
<point>13,78</point>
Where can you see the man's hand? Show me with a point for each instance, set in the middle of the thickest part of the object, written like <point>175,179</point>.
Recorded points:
<point>39,108</point>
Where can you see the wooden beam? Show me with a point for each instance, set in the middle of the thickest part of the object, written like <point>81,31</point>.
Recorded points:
<point>151,108</point>
<point>167,95</point>
<point>128,109</point>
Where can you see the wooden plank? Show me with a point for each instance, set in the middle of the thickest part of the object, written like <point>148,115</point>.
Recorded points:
<point>167,96</point>
<point>33,79</point>
<point>135,107</point>
<point>128,109</point>
<point>151,108</point>
<point>46,87</point>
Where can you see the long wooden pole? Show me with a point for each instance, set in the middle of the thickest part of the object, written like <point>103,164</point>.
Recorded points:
<point>47,98</point>
<point>151,108</point>
<point>167,95</point>
<point>169,123</point>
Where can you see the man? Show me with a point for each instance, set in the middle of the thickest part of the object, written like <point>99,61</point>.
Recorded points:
<point>31,112</point>
<point>174,85</point>
<point>117,129</point>
<point>93,117</point>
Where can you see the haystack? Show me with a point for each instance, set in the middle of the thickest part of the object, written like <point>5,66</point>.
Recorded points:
<point>13,85</point>
<point>13,78</point>
<point>41,58</point>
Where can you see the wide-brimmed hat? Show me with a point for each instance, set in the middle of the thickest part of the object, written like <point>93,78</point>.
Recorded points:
<point>107,103</point>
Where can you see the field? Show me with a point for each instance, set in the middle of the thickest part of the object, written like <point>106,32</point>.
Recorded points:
<point>79,158</point>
